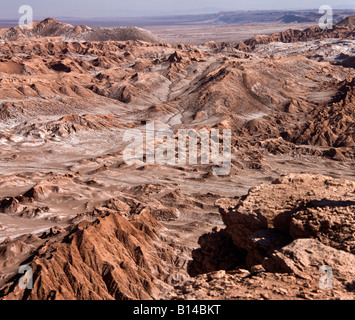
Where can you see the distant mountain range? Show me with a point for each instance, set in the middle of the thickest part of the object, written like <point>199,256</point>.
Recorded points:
<point>223,17</point>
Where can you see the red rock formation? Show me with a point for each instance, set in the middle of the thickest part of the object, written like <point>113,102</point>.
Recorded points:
<point>111,258</point>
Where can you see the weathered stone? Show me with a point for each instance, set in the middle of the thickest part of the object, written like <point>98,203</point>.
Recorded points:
<point>262,243</point>
<point>304,257</point>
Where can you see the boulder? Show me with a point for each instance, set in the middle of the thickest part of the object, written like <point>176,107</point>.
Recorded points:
<point>305,258</point>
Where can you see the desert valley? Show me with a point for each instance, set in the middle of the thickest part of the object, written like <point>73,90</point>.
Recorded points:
<point>93,227</point>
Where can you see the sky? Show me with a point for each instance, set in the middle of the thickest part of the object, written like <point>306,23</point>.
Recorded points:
<point>138,8</point>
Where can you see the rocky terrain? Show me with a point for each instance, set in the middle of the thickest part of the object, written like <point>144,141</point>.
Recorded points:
<point>53,28</point>
<point>342,30</point>
<point>93,227</point>
<point>280,235</point>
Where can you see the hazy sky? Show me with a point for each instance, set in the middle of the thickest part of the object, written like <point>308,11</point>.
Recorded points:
<point>124,8</point>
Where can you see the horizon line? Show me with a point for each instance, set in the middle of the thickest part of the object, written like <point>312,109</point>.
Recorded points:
<point>151,16</point>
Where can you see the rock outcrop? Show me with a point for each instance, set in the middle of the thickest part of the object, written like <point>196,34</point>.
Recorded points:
<point>110,258</point>
<point>297,225</point>
<point>287,205</point>
<point>305,257</point>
